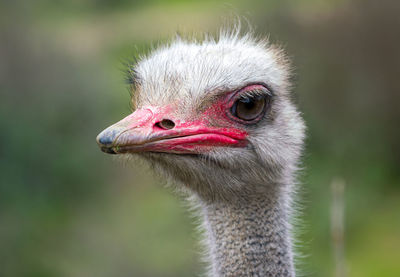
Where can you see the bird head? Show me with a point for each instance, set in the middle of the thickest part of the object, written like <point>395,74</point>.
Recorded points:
<point>215,115</point>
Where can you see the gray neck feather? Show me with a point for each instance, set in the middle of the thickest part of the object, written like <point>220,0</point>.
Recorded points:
<point>249,237</point>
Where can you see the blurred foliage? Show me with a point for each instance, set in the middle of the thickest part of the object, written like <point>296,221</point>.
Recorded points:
<point>66,209</point>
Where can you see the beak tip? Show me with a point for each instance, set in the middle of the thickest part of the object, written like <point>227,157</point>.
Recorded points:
<point>108,150</point>
<point>105,141</point>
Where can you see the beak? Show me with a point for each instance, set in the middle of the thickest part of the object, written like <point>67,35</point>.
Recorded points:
<point>153,130</point>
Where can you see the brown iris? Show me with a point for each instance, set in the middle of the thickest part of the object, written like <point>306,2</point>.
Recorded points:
<point>249,107</point>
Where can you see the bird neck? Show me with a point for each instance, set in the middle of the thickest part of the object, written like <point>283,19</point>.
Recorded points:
<point>249,237</point>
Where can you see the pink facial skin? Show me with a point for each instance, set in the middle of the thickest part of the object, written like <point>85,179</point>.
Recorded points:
<point>141,131</point>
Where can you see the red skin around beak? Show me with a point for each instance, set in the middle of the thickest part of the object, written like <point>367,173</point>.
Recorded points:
<point>142,132</point>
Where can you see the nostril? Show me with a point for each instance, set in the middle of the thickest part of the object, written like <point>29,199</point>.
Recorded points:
<point>165,124</point>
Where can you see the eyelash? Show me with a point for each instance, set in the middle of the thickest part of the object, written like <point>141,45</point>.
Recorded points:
<point>251,93</point>
<point>259,89</point>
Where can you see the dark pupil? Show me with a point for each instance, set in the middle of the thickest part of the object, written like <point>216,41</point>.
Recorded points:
<point>250,107</point>
<point>248,103</point>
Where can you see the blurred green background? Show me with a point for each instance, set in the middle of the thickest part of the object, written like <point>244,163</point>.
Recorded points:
<point>67,209</point>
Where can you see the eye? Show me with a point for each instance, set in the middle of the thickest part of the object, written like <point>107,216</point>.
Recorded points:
<point>250,106</point>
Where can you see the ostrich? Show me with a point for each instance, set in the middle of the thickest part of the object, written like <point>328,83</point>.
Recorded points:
<point>216,117</point>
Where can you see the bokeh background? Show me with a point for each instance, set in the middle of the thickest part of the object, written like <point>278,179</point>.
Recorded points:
<point>67,209</point>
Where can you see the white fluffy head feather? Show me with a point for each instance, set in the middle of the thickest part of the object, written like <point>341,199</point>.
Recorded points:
<point>192,73</point>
